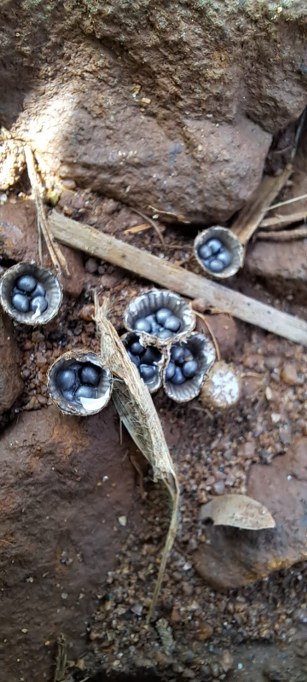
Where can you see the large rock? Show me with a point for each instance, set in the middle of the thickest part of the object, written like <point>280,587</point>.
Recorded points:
<point>19,242</point>
<point>231,557</point>
<point>172,107</point>
<point>66,492</point>
<point>11,384</point>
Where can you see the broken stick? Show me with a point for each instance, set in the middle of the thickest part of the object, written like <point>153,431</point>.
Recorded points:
<point>176,278</point>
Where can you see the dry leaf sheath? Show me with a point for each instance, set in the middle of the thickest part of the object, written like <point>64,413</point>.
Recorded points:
<point>136,410</point>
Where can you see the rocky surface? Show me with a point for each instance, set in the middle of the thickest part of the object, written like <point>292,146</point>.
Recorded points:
<point>232,558</point>
<point>19,242</point>
<point>11,384</point>
<point>67,489</point>
<point>283,265</point>
<point>156,107</point>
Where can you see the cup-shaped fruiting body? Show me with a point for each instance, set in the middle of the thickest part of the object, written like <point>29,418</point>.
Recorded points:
<point>222,387</point>
<point>219,252</point>
<point>79,383</point>
<point>30,294</point>
<point>187,365</point>
<point>159,317</point>
<point>148,359</point>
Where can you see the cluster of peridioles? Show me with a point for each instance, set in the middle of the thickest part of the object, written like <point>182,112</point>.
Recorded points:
<point>160,341</point>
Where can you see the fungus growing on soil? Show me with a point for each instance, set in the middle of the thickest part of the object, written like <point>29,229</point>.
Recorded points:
<point>79,384</point>
<point>30,294</point>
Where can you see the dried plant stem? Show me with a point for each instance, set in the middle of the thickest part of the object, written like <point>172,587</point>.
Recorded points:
<point>136,410</point>
<point>278,220</point>
<point>289,201</point>
<point>61,659</point>
<point>253,213</point>
<point>171,276</point>
<point>152,223</point>
<point>57,258</point>
<point>284,235</point>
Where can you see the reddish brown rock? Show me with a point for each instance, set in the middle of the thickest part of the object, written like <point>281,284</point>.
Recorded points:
<point>18,240</point>
<point>233,557</point>
<point>11,384</point>
<point>283,265</point>
<point>65,483</point>
<point>225,330</point>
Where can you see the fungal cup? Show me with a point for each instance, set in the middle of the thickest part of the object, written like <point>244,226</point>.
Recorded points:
<point>202,351</point>
<point>41,302</point>
<point>159,317</point>
<point>230,256</point>
<point>151,357</point>
<point>79,384</point>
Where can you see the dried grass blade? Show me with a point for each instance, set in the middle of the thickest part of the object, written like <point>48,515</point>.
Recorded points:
<point>136,409</point>
<point>54,250</point>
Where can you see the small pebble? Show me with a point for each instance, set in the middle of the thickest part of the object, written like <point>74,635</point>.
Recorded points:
<point>142,325</point>
<point>90,374</point>
<point>26,283</point>
<point>21,303</point>
<point>147,372</point>
<point>39,303</point>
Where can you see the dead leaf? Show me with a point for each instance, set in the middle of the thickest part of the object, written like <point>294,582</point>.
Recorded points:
<point>240,511</point>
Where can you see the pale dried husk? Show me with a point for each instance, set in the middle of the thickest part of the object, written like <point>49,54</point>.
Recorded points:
<point>222,387</point>
<point>149,303</point>
<point>50,282</point>
<point>85,407</point>
<point>230,240</point>
<point>136,410</point>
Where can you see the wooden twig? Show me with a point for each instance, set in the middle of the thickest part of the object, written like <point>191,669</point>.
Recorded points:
<point>152,223</point>
<point>165,274</point>
<point>61,659</point>
<point>284,235</point>
<point>278,220</point>
<point>253,213</point>
<point>55,253</point>
<point>289,201</point>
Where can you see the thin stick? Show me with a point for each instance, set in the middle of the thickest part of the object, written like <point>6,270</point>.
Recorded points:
<point>284,235</point>
<point>253,213</point>
<point>152,223</point>
<point>289,201</point>
<point>175,278</point>
<point>283,220</point>
<point>55,253</point>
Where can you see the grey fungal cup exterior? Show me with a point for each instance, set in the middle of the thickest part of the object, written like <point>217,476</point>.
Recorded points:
<point>198,349</point>
<point>36,292</point>
<point>150,356</point>
<point>222,262</point>
<point>79,383</point>
<point>175,317</point>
